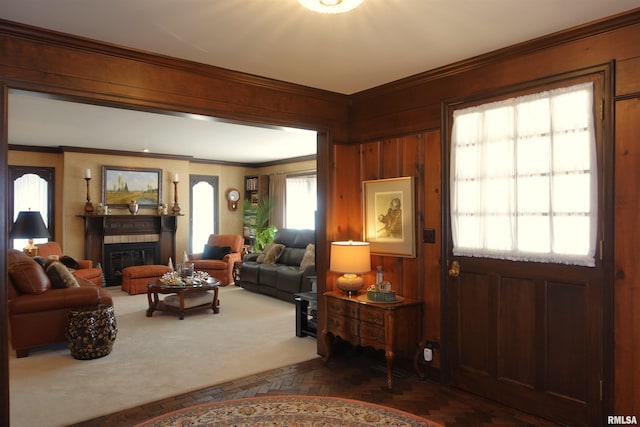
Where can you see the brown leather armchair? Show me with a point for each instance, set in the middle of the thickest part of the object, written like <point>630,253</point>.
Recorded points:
<point>86,270</point>
<point>38,313</point>
<point>221,269</point>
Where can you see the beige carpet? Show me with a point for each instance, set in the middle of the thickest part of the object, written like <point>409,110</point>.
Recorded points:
<point>156,357</point>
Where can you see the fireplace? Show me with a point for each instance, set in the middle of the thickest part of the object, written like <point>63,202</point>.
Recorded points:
<point>121,255</point>
<point>120,241</point>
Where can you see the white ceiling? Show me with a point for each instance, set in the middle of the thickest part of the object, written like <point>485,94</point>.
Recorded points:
<point>381,41</point>
<point>35,120</point>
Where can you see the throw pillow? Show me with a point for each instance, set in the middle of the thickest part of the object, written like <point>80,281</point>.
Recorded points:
<point>60,276</point>
<point>270,254</point>
<point>28,277</point>
<point>69,262</point>
<point>215,252</point>
<point>309,257</point>
<point>41,261</point>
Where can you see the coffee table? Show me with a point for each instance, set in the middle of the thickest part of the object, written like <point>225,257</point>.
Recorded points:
<point>156,288</point>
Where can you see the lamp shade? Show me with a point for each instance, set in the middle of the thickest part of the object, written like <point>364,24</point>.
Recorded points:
<point>29,225</point>
<point>350,257</point>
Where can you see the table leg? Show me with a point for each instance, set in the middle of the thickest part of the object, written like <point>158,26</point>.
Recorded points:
<point>181,296</point>
<point>215,304</point>
<point>152,297</point>
<point>389,355</point>
<point>328,342</point>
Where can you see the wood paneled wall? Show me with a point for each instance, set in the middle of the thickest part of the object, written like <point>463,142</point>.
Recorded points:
<point>396,129</point>
<point>52,63</point>
<point>415,155</point>
<point>413,105</point>
<point>626,362</point>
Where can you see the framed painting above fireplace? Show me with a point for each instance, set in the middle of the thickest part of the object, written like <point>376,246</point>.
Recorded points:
<point>121,185</point>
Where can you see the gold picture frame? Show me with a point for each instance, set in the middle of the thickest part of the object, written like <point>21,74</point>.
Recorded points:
<point>389,220</point>
<point>120,185</point>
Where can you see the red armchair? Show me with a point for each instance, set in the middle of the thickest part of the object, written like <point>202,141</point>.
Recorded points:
<point>221,269</point>
<point>86,270</point>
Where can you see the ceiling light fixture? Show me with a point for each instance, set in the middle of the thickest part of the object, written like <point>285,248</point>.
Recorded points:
<point>330,6</point>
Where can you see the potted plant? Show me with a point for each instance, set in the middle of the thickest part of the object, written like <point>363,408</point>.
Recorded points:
<point>265,233</point>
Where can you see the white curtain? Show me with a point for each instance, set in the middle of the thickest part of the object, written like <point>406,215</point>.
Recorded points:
<point>30,192</point>
<point>278,199</point>
<point>524,178</point>
<point>301,202</point>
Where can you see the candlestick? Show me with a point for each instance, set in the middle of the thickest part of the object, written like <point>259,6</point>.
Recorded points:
<point>87,174</point>
<point>176,207</point>
<point>88,207</point>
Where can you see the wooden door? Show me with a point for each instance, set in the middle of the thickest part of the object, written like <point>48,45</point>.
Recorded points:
<point>529,336</point>
<point>533,335</point>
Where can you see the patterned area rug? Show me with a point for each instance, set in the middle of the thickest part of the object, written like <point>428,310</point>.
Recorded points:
<point>289,411</point>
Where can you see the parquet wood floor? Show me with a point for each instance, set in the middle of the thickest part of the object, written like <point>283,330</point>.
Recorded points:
<point>352,375</point>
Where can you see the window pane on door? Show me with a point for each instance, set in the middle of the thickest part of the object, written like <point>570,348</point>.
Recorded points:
<point>524,178</point>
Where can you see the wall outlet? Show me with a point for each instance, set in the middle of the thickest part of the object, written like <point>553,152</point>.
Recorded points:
<point>428,355</point>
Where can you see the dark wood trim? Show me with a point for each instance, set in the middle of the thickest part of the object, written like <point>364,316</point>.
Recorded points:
<point>28,32</point>
<point>521,49</point>
<point>214,181</point>
<point>4,235</point>
<point>63,149</point>
<point>212,91</point>
<point>48,62</point>
<point>46,173</point>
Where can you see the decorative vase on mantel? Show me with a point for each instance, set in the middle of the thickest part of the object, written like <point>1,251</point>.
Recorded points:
<point>133,207</point>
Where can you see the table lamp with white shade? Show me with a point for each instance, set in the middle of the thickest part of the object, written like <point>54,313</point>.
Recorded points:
<point>350,258</point>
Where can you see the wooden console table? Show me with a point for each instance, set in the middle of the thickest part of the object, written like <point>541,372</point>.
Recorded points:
<point>392,327</point>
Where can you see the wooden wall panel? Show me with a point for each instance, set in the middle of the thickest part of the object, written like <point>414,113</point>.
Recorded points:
<point>475,319</point>
<point>628,77</point>
<point>412,155</point>
<point>627,268</point>
<point>40,60</point>
<point>380,111</point>
<point>413,105</point>
<point>566,304</point>
<point>431,262</point>
<point>517,354</point>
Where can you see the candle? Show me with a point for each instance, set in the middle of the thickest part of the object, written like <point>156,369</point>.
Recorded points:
<point>175,177</point>
<point>87,174</point>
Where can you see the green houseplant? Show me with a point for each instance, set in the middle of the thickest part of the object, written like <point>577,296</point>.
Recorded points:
<point>265,233</point>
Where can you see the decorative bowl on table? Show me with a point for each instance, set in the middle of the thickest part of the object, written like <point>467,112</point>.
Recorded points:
<point>381,293</point>
<point>174,278</point>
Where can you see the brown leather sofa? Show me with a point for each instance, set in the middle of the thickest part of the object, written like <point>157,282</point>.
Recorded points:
<point>38,313</point>
<point>221,269</point>
<point>85,269</point>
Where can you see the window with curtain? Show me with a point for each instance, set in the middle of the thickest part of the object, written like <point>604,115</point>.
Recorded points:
<point>32,189</point>
<point>524,178</point>
<point>301,202</point>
